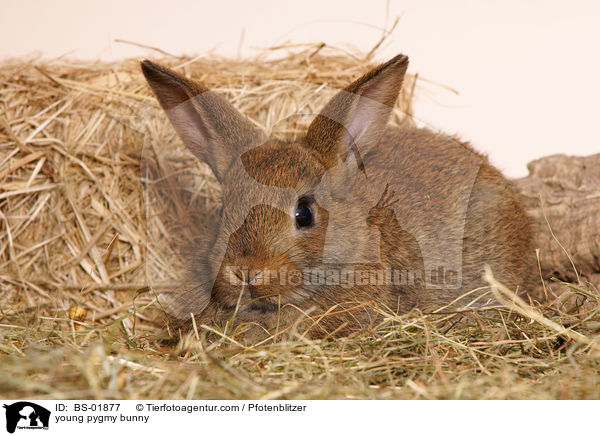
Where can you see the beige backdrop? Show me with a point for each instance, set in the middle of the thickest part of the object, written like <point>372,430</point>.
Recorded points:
<point>527,72</point>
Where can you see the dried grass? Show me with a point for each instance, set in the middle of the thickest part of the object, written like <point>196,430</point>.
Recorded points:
<point>77,319</point>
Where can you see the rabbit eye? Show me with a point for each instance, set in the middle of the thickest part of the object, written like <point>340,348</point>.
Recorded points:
<point>304,214</point>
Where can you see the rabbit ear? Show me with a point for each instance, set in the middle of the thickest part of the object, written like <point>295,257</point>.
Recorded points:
<point>208,125</point>
<point>355,118</point>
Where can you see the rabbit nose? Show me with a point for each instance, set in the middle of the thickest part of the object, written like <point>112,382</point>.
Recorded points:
<point>248,274</point>
<point>247,279</point>
<point>253,276</point>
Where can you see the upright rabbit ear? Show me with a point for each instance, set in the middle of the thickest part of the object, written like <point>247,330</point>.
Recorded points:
<point>355,118</point>
<point>207,124</point>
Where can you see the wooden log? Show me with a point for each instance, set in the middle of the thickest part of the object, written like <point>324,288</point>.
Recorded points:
<point>562,196</point>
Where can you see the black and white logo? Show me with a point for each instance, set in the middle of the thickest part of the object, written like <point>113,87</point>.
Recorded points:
<point>26,415</point>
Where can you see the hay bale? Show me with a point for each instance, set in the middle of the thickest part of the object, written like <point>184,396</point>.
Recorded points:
<point>71,139</point>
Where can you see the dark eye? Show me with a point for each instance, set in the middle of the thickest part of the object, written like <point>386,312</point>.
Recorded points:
<point>304,215</point>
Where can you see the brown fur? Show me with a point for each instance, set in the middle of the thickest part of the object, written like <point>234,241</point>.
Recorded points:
<point>383,198</point>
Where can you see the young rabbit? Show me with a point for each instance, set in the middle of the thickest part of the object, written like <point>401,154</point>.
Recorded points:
<point>352,216</point>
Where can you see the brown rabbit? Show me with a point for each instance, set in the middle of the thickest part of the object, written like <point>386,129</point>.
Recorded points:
<point>352,215</point>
